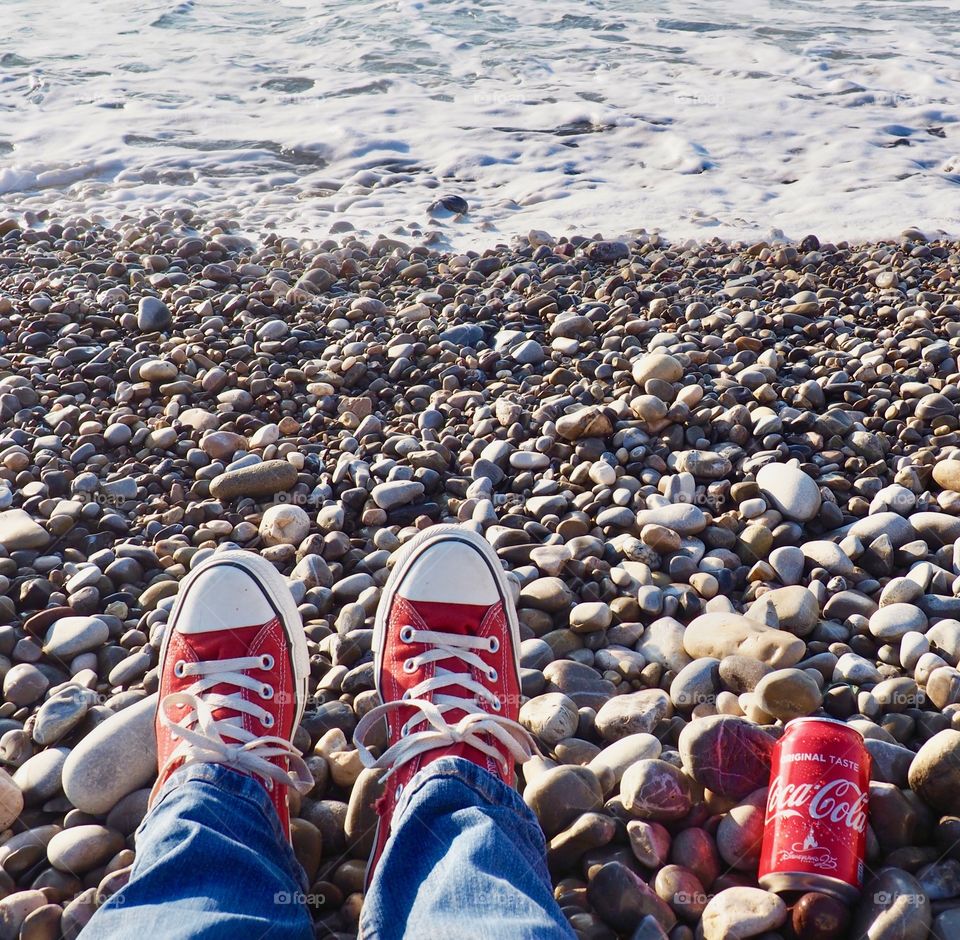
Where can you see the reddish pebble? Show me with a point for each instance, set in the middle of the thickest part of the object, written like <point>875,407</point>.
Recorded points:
<point>820,917</point>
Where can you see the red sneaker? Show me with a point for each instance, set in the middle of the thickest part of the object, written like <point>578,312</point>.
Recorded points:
<point>233,676</point>
<point>446,663</point>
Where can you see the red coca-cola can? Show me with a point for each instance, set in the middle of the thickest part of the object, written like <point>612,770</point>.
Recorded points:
<point>815,830</point>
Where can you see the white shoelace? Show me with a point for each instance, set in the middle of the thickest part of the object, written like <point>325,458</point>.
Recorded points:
<point>202,738</point>
<point>469,730</point>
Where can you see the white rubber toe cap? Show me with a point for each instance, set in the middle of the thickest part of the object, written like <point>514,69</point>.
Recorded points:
<point>222,597</point>
<point>450,571</point>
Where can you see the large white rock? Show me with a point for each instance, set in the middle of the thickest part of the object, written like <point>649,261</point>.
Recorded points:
<point>116,758</point>
<point>791,490</point>
<point>19,531</point>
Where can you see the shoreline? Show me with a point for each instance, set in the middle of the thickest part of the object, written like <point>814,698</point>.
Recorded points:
<point>445,232</point>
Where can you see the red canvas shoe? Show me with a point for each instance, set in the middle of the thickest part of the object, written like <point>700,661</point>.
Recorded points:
<point>233,676</point>
<point>446,663</point>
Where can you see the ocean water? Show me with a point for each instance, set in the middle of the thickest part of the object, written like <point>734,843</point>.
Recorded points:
<point>770,119</point>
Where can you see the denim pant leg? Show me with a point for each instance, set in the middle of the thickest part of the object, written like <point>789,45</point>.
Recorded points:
<point>466,859</point>
<point>212,863</point>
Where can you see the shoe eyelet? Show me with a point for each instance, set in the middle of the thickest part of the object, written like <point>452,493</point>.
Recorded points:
<point>266,692</point>
<point>266,662</point>
<point>267,721</point>
<point>406,634</point>
<point>492,675</point>
<point>409,666</point>
<point>496,704</point>
<point>179,668</point>
<point>494,645</point>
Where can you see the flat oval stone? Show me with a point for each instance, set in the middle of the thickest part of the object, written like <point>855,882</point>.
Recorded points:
<point>662,642</point>
<point>633,713</point>
<point>696,684</point>
<point>79,849</point>
<point>561,794</point>
<point>39,778</point>
<point>19,531</point>
<point>682,518</point>
<point>792,491</point>
<point>578,681</point>
<point>737,913</point>
<point>657,365</point>
<point>60,713</point>
<point>262,479</point>
<point>361,819</point>
<point>549,594</point>
<point>24,684</point>
<point>655,790</point>
<point>649,842</point>
<point>116,758</point>
<point>158,370</point>
<point>796,608</point>
<point>788,694</point>
<point>726,754</point>
<point>623,899</point>
<point>892,524</point>
<point>828,555</point>
<point>894,621</point>
<point>70,636</point>
<point>222,445</point>
<point>551,717</point>
<point>726,634</point>
<point>396,493</point>
<point>589,831</point>
<point>740,833</point>
<point>947,474</point>
<point>935,772</point>
<point>892,906</point>
<point>584,422</point>
<point>616,757</point>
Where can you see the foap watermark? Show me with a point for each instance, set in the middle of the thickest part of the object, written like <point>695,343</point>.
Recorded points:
<point>310,899</point>
<point>888,898</point>
<point>710,99</point>
<point>312,499</point>
<point>105,500</point>
<point>500,98</point>
<point>912,699</point>
<point>684,898</point>
<point>701,499</point>
<point>686,699</point>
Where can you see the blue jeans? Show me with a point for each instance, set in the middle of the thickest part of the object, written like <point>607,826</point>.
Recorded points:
<point>465,859</point>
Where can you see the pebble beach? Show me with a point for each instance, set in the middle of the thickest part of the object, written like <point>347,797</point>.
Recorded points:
<point>724,479</point>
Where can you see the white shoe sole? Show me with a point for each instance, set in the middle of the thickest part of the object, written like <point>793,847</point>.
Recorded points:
<point>274,587</point>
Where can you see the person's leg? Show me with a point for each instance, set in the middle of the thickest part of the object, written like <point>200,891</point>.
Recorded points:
<point>212,862</point>
<point>456,852</point>
<point>213,853</point>
<point>465,859</point>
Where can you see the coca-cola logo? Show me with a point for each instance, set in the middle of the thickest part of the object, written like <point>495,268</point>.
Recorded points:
<point>837,801</point>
